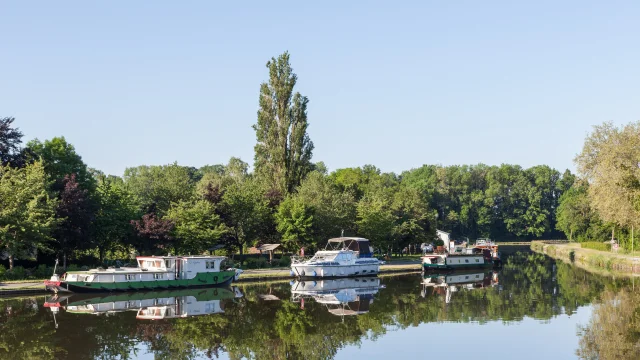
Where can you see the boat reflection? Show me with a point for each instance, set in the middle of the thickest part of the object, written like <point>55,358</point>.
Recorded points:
<point>148,305</point>
<point>346,296</point>
<point>449,283</point>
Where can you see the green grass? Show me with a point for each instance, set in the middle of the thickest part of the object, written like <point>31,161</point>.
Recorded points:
<point>602,246</point>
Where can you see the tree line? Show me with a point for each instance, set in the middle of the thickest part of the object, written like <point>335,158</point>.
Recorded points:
<point>52,203</point>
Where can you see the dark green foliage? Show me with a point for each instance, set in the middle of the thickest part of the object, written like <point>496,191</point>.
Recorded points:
<point>439,243</point>
<point>17,273</point>
<point>10,140</point>
<point>284,261</point>
<point>256,263</point>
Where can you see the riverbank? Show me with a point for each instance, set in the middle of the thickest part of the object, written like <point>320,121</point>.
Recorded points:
<point>253,276</point>
<point>589,259</point>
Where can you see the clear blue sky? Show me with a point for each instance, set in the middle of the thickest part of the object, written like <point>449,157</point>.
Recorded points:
<point>395,84</point>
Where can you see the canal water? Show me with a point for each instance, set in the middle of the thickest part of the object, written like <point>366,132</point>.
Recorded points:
<point>533,308</point>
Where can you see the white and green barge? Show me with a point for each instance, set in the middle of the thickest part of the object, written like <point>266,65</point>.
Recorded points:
<point>152,273</point>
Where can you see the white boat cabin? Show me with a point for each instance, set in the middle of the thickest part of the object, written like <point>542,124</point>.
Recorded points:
<point>154,268</point>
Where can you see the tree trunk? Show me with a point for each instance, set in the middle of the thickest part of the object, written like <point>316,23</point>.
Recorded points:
<point>10,262</point>
<point>64,260</point>
<point>571,235</point>
<point>632,239</point>
<point>101,254</point>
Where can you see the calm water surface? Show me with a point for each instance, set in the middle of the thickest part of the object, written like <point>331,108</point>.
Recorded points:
<point>531,309</point>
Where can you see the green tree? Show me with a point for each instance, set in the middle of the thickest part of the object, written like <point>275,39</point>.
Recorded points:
<point>116,208</point>
<point>283,150</point>
<point>609,162</point>
<point>294,220</point>
<point>333,210</point>
<point>60,159</point>
<point>244,212</point>
<point>574,212</point>
<point>10,140</point>
<point>27,210</point>
<point>197,226</point>
<point>375,219</point>
<point>156,187</point>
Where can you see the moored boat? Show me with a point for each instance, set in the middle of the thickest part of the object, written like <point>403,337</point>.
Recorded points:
<point>483,254</point>
<point>152,273</point>
<point>342,257</point>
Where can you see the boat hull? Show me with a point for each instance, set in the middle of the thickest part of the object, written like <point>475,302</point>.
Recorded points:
<point>201,280</point>
<point>334,271</point>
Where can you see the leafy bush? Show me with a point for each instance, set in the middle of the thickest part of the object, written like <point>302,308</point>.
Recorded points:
<point>602,246</point>
<point>42,272</point>
<point>439,242</point>
<point>72,267</point>
<point>285,261</point>
<point>256,263</point>
<point>17,273</point>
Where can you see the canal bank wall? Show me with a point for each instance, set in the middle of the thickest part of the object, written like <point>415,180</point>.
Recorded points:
<point>589,259</point>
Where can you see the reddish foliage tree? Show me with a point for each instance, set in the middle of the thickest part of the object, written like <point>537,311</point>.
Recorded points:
<point>154,232</point>
<point>75,211</point>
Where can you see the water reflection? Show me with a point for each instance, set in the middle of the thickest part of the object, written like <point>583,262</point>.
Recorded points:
<point>266,324</point>
<point>348,296</point>
<point>153,305</point>
<point>448,283</point>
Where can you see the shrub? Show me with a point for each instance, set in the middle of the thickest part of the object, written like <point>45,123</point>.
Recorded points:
<point>602,246</point>
<point>572,256</point>
<point>439,242</point>
<point>17,273</point>
<point>256,263</point>
<point>72,267</point>
<point>42,272</point>
<point>285,261</point>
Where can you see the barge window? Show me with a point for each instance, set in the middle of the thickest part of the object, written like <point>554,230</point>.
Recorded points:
<point>210,264</point>
<point>131,276</point>
<point>466,260</point>
<point>478,260</point>
<point>157,276</point>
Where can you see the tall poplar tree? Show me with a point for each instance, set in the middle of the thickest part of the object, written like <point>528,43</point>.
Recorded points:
<point>283,151</point>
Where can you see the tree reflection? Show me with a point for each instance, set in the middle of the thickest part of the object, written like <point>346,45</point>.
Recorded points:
<point>614,329</point>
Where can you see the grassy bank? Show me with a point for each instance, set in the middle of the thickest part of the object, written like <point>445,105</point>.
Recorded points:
<point>589,259</point>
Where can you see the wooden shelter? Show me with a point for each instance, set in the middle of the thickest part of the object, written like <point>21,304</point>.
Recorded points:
<point>268,248</point>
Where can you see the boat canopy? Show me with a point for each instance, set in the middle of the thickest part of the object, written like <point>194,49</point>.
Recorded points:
<point>360,245</point>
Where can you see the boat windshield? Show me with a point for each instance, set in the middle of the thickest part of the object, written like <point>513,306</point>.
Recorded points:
<point>320,256</point>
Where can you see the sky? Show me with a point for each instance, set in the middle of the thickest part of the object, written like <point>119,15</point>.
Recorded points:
<point>394,84</point>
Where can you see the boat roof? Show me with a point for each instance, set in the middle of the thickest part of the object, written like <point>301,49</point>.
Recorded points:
<point>342,239</point>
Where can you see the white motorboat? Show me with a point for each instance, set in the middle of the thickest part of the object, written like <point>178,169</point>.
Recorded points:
<point>342,257</point>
